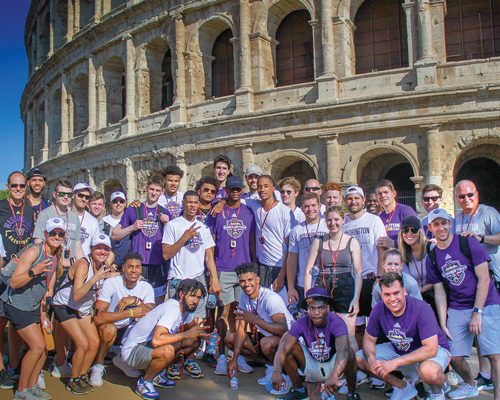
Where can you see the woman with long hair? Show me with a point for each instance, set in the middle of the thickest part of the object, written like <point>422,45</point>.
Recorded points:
<point>338,257</point>
<point>26,299</point>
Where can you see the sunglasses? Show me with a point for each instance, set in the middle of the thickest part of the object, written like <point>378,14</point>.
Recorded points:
<point>469,195</point>
<point>18,185</point>
<point>411,229</point>
<point>433,198</point>
<point>83,196</point>
<point>59,234</point>
<point>288,192</point>
<point>312,189</point>
<point>121,201</point>
<point>207,190</point>
<point>69,195</point>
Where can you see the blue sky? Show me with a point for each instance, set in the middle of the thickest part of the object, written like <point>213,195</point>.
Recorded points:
<point>13,78</point>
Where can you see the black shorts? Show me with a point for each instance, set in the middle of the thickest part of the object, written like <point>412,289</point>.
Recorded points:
<point>155,275</point>
<point>365,298</point>
<point>260,336</point>
<point>120,332</point>
<point>65,313</point>
<point>20,319</point>
<point>340,287</point>
<point>268,275</point>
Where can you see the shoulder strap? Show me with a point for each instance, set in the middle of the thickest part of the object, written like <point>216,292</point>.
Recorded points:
<point>161,211</point>
<point>464,246</point>
<point>432,254</point>
<point>106,228</point>
<point>349,244</point>
<point>139,212</point>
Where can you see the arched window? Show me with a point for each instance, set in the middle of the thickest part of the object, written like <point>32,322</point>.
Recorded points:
<point>472,29</point>
<point>55,116</point>
<point>45,37</point>
<point>87,9</point>
<point>60,23</point>
<point>167,87</point>
<point>80,97</point>
<point>114,84</point>
<point>294,53</point>
<point>380,38</point>
<point>223,65</point>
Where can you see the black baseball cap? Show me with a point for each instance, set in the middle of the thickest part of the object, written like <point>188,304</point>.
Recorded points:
<point>411,221</point>
<point>234,182</point>
<point>313,293</point>
<point>36,171</point>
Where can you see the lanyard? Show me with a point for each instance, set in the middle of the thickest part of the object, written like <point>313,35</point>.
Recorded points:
<point>317,342</point>
<point>470,221</point>
<point>31,204</point>
<point>262,225</point>
<point>203,217</point>
<point>233,226</point>
<point>336,254</point>
<point>142,230</point>
<point>315,233</point>
<point>98,285</point>
<point>51,270</point>
<point>67,225</point>
<point>174,213</point>
<point>390,218</point>
<point>19,228</point>
<point>421,272</point>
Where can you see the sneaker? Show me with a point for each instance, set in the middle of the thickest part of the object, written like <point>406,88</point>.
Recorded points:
<point>343,389</point>
<point>389,392</point>
<point>96,375</point>
<point>199,354</point>
<point>41,381</point>
<point>130,372</point>
<point>221,368</point>
<point>377,384</point>
<point>26,394</point>
<point>38,391</point>
<point>463,391</point>
<point>84,381</point>
<point>296,394</point>
<point>193,369</point>
<point>210,360</point>
<point>14,372</point>
<point>266,379</point>
<point>422,394</point>
<point>409,392</point>
<point>174,372</point>
<point>446,387</point>
<point>483,383</point>
<point>146,390</point>
<point>108,359</point>
<point>5,381</point>
<point>75,387</point>
<point>438,396</point>
<point>353,396</point>
<point>362,378</point>
<point>243,366</point>
<point>285,390</point>
<point>454,379</point>
<point>64,371</point>
<point>162,381</point>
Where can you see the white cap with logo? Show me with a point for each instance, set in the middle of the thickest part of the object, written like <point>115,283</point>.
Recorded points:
<point>354,190</point>
<point>438,213</point>
<point>101,238</point>
<point>117,195</point>
<point>55,223</point>
<point>83,186</point>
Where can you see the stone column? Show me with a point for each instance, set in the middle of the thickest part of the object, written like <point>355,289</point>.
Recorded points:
<point>246,62</point>
<point>106,6</point>
<point>247,159</point>
<point>410,9</point>
<point>92,102</point>
<point>45,150</point>
<point>64,114</point>
<point>328,85</point>
<point>76,18</point>
<point>418,182</point>
<point>52,14</point>
<point>98,11</point>
<point>36,134</point>
<point>29,138</point>
<point>343,32</point>
<point>39,46</point>
<point>131,180</point>
<point>34,54</point>
<point>425,30</point>
<point>71,21</point>
<point>180,161</point>
<point>178,113</point>
<point>434,141</point>
<point>130,85</point>
<point>327,44</point>
<point>333,173</point>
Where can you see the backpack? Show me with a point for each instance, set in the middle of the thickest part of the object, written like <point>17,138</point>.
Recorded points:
<point>464,249</point>
<point>139,212</point>
<point>9,269</point>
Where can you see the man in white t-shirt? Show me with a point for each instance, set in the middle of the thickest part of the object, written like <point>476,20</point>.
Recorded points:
<point>189,245</point>
<point>290,189</point>
<point>89,226</point>
<point>171,198</point>
<point>96,207</point>
<point>252,176</point>
<point>122,300</point>
<point>301,239</point>
<point>117,203</point>
<point>165,336</point>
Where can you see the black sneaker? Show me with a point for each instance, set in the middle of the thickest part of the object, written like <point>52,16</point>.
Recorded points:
<point>5,381</point>
<point>75,386</point>
<point>421,393</point>
<point>295,394</point>
<point>389,392</point>
<point>210,360</point>
<point>14,373</point>
<point>85,383</point>
<point>353,396</point>
<point>483,383</point>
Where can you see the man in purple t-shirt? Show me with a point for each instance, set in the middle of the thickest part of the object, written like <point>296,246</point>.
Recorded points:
<point>416,347</point>
<point>474,308</point>
<point>323,352</point>
<point>146,235</point>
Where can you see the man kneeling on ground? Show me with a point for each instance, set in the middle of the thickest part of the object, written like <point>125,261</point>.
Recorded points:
<point>417,347</point>
<point>322,354</point>
<point>165,335</point>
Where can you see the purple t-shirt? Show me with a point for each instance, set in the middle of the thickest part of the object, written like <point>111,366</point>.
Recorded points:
<point>319,341</point>
<point>152,232</point>
<point>392,222</point>
<point>407,331</point>
<point>457,271</point>
<point>237,226</point>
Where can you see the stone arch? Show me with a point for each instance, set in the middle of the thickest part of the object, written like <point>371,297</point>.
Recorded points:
<point>60,23</point>
<point>80,99</point>
<point>55,118</point>
<point>279,162</point>
<point>45,37</point>
<point>112,95</point>
<point>155,53</point>
<point>202,169</point>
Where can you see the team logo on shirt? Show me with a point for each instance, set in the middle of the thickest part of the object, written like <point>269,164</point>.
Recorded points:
<point>174,208</point>
<point>399,338</point>
<point>84,234</point>
<point>18,236</point>
<point>150,226</point>
<point>454,272</point>
<point>194,244</point>
<point>319,350</point>
<point>234,227</point>
<point>361,233</point>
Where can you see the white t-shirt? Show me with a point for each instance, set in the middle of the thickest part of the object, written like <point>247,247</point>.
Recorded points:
<point>120,247</point>
<point>189,262</point>
<point>113,290</point>
<point>167,314</point>
<point>299,216</point>
<point>367,230</point>
<point>172,203</point>
<point>268,303</point>
<point>279,221</point>
<point>89,227</point>
<point>322,211</point>
<point>300,242</point>
<point>255,196</point>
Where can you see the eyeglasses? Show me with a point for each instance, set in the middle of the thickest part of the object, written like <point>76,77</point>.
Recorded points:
<point>288,192</point>
<point>83,196</point>
<point>121,201</point>
<point>69,195</point>
<point>433,198</point>
<point>469,195</point>
<point>312,189</point>
<point>18,185</point>
<point>59,234</point>
<point>207,190</point>
<point>407,229</point>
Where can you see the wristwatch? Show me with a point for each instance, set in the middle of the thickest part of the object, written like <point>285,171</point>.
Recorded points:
<point>482,238</point>
<point>477,310</point>
<point>31,274</point>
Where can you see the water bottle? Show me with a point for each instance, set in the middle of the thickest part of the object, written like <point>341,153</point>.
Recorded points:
<point>293,308</point>
<point>47,334</point>
<point>324,395</point>
<point>314,273</point>
<point>212,343</point>
<point>212,300</point>
<point>234,382</point>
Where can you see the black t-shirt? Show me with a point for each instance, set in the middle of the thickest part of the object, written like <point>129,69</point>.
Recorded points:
<point>15,237</point>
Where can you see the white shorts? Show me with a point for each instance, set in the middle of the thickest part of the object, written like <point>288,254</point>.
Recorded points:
<point>315,369</point>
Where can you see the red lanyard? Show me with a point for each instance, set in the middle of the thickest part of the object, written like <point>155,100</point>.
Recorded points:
<point>315,234</point>
<point>19,228</point>
<point>317,342</point>
<point>67,224</point>
<point>390,218</point>
<point>143,234</point>
<point>203,217</point>
<point>174,213</point>
<point>53,266</point>
<point>421,272</point>
<point>262,225</point>
<point>470,221</point>
<point>337,254</point>
<point>233,252</point>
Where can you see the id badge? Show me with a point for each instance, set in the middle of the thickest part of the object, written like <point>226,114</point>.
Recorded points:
<point>148,246</point>
<point>66,254</point>
<point>233,243</point>
<point>48,300</point>
<point>262,240</point>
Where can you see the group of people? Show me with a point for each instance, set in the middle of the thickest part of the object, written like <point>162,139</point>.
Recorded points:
<point>346,289</point>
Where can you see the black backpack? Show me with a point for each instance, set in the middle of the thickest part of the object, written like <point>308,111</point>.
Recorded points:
<point>464,248</point>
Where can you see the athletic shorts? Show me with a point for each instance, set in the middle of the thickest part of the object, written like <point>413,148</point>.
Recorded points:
<point>365,298</point>
<point>257,346</point>
<point>120,332</point>
<point>154,274</point>
<point>268,275</point>
<point>340,287</point>
<point>20,319</point>
<point>489,339</point>
<point>65,313</point>
<point>140,357</point>
<point>230,287</point>
<point>201,310</point>
<point>315,369</point>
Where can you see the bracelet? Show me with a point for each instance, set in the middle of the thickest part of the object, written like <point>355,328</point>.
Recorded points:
<point>131,313</point>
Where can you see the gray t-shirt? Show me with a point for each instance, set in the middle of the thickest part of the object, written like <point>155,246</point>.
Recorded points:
<point>410,285</point>
<point>73,229</point>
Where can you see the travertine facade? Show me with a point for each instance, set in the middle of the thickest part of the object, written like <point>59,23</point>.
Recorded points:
<point>93,104</point>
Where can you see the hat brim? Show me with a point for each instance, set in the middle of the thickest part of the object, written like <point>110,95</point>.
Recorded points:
<point>303,303</point>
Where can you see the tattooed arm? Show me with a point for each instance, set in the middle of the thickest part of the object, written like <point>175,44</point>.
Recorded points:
<point>286,344</point>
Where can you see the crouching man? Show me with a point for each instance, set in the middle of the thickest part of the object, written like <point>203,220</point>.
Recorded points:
<point>417,347</point>
<point>165,335</point>
<point>323,352</point>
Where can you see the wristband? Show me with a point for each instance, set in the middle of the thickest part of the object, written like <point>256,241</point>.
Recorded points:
<point>482,238</point>
<point>131,313</point>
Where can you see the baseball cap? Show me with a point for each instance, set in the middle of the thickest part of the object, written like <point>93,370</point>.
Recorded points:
<point>253,169</point>
<point>411,221</point>
<point>234,182</point>
<point>117,195</point>
<point>101,238</point>
<point>354,190</point>
<point>55,223</point>
<point>36,171</point>
<point>83,186</point>
<point>315,292</point>
<point>438,213</point>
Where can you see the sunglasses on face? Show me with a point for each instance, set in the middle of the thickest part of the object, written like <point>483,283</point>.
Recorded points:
<point>18,185</point>
<point>312,189</point>
<point>208,190</point>
<point>83,196</point>
<point>59,234</point>
<point>433,198</point>
<point>68,195</point>
<point>411,229</point>
<point>469,195</point>
<point>121,201</point>
<point>288,192</point>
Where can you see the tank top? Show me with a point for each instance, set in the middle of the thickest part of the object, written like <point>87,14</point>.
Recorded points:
<point>344,259</point>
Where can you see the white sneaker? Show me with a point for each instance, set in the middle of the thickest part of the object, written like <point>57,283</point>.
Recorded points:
<point>221,368</point>
<point>130,372</point>
<point>439,396</point>
<point>199,354</point>
<point>243,366</point>
<point>463,391</point>
<point>64,371</point>
<point>266,379</point>
<point>98,371</point>
<point>362,378</point>
<point>409,392</point>
<point>288,386</point>
<point>41,381</point>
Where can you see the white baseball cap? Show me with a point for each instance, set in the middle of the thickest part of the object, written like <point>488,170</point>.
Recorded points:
<point>354,190</point>
<point>253,169</point>
<point>117,195</point>
<point>83,186</point>
<point>101,238</point>
<point>55,223</point>
<point>438,213</point>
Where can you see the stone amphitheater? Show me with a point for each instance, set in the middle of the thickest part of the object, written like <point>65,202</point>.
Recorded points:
<point>349,91</point>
